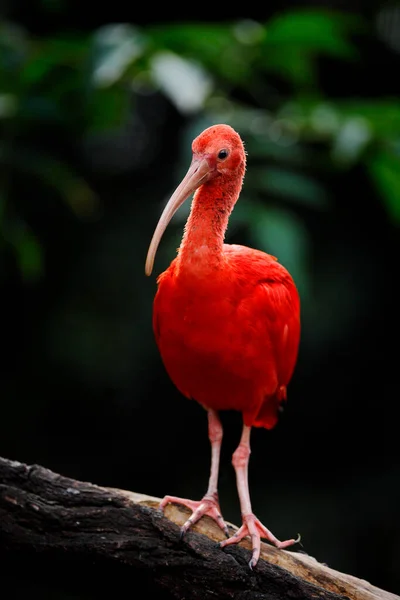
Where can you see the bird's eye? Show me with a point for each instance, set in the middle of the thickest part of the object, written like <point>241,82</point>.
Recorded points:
<point>222,154</point>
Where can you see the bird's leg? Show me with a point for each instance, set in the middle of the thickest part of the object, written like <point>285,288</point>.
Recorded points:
<point>250,524</point>
<point>209,505</point>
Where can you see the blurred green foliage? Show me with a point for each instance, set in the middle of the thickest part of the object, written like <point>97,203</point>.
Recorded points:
<point>261,77</point>
<point>95,130</point>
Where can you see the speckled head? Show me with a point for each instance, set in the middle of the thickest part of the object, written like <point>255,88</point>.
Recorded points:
<point>222,146</point>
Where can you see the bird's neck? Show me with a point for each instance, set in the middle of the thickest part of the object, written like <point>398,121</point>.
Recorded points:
<point>201,249</point>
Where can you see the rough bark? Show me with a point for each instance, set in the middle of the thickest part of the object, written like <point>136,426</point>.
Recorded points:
<point>55,531</point>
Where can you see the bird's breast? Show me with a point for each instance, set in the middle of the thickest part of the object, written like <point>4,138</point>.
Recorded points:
<point>212,351</point>
<point>199,320</point>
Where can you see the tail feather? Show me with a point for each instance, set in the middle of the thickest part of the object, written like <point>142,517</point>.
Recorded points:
<point>271,407</point>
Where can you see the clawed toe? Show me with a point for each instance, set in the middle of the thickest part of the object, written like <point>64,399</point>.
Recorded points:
<point>253,528</point>
<point>207,506</point>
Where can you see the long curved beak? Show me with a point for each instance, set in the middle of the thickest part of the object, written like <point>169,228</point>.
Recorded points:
<point>197,174</point>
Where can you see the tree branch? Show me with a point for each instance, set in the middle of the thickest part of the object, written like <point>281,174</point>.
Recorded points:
<point>50,519</point>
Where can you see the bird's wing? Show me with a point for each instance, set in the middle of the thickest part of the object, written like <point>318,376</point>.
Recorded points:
<point>273,299</point>
<point>280,301</point>
<point>166,278</point>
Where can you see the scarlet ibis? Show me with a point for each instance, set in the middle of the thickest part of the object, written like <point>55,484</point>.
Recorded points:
<point>226,320</point>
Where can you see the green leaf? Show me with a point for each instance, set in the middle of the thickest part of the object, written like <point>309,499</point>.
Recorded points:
<point>14,49</point>
<point>282,234</point>
<point>291,63</point>
<point>52,53</point>
<point>280,182</point>
<point>352,138</point>
<point>184,82</point>
<point>384,167</point>
<point>206,41</point>
<point>28,251</point>
<point>107,107</point>
<point>74,189</point>
<point>223,50</point>
<point>295,39</point>
<point>114,48</point>
<point>325,118</point>
<point>383,115</point>
<point>58,175</point>
<point>311,30</point>
<point>8,106</point>
<point>14,45</point>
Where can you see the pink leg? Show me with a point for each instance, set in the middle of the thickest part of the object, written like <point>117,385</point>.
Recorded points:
<point>251,525</point>
<point>209,505</point>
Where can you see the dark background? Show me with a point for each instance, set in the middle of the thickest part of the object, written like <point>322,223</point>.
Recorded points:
<point>93,140</point>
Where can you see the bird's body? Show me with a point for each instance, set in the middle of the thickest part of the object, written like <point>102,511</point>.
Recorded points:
<point>226,320</point>
<point>228,338</point>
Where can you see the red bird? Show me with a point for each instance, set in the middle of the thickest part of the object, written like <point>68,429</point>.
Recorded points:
<point>226,320</point>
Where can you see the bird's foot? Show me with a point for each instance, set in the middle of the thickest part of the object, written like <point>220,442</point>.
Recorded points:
<point>209,505</point>
<point>256,530</point>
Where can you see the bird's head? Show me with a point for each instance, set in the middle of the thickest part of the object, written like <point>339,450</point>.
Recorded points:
<point>221,151</point>
<point>218,152</point>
